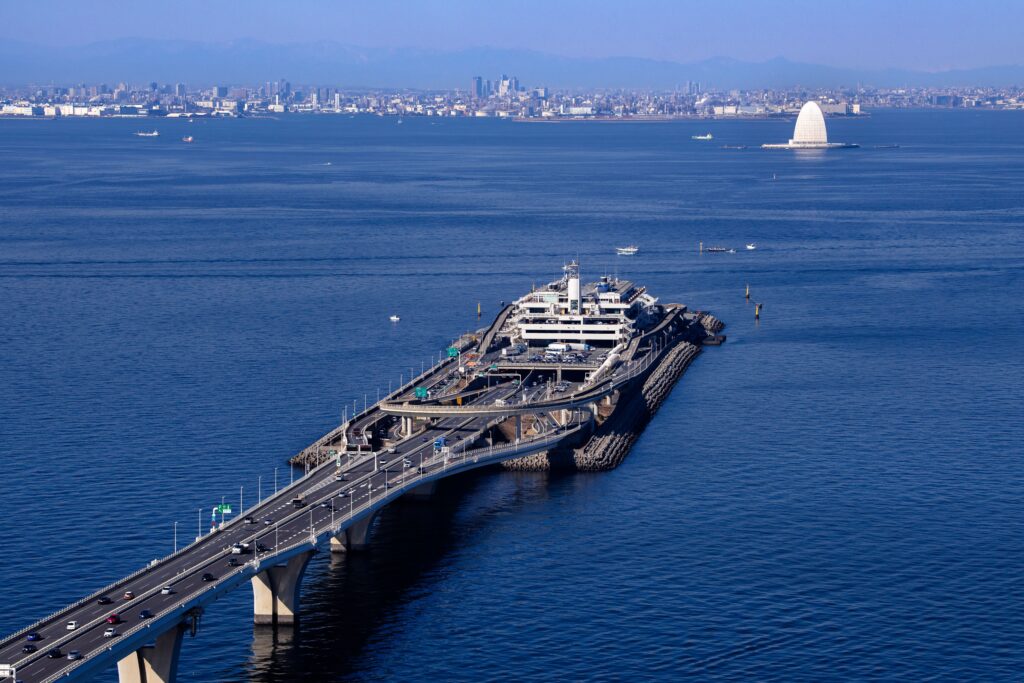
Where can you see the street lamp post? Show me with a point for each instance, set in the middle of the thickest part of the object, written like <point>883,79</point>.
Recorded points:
<point>175,537</point>
<point>275,481</point>
<point>259,487</point>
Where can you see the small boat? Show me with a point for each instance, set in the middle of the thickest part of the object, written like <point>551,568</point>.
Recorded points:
<point>631,250</point>
<point>188,138</point>
<point>706,136</point>
<point>751,247</point>
<point>144,134</point>
<point>717,250</point>
<point>734,146</point>
<point>394,318</point>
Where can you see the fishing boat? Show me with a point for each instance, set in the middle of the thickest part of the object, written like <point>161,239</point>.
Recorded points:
<point>631,250</point>
<point>394,318</point>
<point>751,247</point>
<point>706,136</point>
<point>188,138</point>
<point>144,134</point>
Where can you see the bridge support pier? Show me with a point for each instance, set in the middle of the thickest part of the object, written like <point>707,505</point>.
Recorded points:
<point>519,427</point>
<point>275,591</point>
<point>153,663</point>
<point>353,538</point>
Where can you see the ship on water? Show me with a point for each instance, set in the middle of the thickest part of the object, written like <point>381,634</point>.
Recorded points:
<point>152,134</point>
<point>706,136</point>
<point>570,361</point>
<point>631,250</point>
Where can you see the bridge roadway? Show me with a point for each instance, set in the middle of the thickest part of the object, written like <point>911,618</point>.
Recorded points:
<point>362,422</point>
<point>480,408</point>
<point>333,507</point>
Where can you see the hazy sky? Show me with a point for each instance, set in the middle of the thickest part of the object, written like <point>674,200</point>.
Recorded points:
<point>920,34</point>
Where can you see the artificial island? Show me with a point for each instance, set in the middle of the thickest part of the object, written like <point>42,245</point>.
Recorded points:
<point>567,377</point>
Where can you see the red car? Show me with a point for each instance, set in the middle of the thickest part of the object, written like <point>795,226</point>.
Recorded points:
<point>114,619</point>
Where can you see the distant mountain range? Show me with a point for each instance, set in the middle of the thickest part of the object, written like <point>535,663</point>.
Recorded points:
<point>329,63</point>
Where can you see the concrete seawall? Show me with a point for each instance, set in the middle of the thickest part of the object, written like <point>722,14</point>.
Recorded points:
<point>611,441</point>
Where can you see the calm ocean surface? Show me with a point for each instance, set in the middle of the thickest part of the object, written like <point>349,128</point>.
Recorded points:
<point>834,494</point>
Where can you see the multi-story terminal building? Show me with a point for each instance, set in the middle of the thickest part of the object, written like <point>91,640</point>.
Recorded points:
<point>599,314</point>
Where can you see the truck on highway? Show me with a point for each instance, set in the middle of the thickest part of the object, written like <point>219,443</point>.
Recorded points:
<point>299,501</point>
<point>514,350</point>
<point>439,443</point>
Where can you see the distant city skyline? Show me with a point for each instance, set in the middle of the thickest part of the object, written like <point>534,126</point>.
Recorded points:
<point>928,35</point>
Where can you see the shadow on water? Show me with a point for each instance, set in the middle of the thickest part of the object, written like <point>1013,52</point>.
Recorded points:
<point>347,605</point>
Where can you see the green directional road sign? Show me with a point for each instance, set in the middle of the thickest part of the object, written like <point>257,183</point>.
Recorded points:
<point>421,392</point>
<point>452,352</point>
<point>224,509</point>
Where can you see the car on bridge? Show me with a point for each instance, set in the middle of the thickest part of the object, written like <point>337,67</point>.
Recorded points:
<point>129,595</point>
<point>29,648</point>
<point>72,625</point>
<point>114,618</point>
<point>55,653</point>
<point>32,636</point>
<point>110,632</point>
<point>145,614</point>
<point>105,600</point>
<point>74,655</point>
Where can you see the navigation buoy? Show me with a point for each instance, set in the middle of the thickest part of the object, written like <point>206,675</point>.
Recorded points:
<point>478,309</point>
<point>757,311</point>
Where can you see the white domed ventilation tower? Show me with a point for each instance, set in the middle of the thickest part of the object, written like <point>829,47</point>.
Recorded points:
<point>810,126</point>
<point>809,132</point>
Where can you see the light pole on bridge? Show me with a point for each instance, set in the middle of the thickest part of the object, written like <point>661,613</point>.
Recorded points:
<point>175,537</point>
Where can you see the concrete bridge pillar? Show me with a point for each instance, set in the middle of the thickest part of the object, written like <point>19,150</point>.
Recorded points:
<point>275,591</point>
<point>355,537</point>
<point>156,663</point>
<point>519,427</point>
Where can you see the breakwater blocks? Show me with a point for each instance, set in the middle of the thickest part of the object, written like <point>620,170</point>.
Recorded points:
<point>612,440</point>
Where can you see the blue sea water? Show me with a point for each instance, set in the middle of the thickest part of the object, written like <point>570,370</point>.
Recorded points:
<point>835,494</point>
